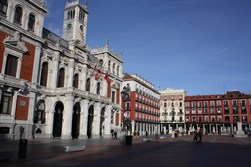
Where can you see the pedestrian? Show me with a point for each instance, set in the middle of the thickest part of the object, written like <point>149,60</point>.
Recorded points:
<point>195,136</point>
<point>112,131</point>
<point>115,135</point>
<point>33,131</point>
<point>200,136</point>
<point>21,132</point>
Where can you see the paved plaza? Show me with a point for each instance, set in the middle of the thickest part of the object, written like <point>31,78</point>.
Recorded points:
<point>222,151</point>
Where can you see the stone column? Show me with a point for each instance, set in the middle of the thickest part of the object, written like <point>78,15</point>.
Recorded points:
<point>82,78</point>
<point>232,128</point>
<point>83,119</point>
<point>96,121</point>
<point>133,126</point>
<point>70,74</point>
<point>107,123</point>
<point>67,118</point>
<point>53,71</point>
<point>49,116</point>
<point>36,71</point>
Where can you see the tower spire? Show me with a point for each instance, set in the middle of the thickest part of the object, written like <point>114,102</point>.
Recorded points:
<point>107,44</point>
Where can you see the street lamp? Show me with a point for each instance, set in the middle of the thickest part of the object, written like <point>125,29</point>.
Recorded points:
<point>125,94</point>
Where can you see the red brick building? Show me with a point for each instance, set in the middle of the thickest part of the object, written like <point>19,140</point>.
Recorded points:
<point>218,113</point>
<point>143,105</point>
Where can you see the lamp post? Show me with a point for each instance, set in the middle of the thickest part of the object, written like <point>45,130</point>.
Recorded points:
<point>125,94</point>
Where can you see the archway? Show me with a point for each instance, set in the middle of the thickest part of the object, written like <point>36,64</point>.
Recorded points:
<point>90,121</point>
<point>102,119</point>
<point>75,121</point>
<point>58,118</point>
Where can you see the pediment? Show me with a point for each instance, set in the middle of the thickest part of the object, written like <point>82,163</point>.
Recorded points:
<point>115,86</point>
<point>15,44</point>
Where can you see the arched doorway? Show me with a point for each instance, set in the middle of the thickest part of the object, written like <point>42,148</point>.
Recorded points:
<point>90,121</point>
<point>75,121</point>
<point>58,117</point>
<point>102,119</point>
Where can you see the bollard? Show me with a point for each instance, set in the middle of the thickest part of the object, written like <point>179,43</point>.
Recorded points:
<point>22,148</point>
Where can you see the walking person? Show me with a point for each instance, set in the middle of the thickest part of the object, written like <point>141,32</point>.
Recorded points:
<point>200,136</point>
<point>115,135</point>
<point>33,131</point>
<point>195,136</point>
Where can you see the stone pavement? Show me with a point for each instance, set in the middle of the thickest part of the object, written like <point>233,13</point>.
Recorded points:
<point>215,151</point>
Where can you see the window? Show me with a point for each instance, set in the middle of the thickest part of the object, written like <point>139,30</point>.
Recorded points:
<point>219,111</point>
<point>75,81</point>
<point>193,104</point>
<point>6,104</point>
<point>227,119</point>
<point>199,103</point>
<point>113,68</point>
<point>109,66</point>
<point>180,104</point>
<point>18,15</point>
<point>226,111</point>
<point>11,65</point>
<point>205,104</point>
<point>218,103</point>
<point>165,104</point>
<point>31,23</point>
<point>3,7</point>
<point>206,111</point>
<point>206,118</point>
<point>113,96</point>
<point>193,111</point>
<point>117,70</point>
<point>39,116</point>
<point>44,74</point>
<point>61,78</point>
<point>219,119</point>
<point>243,103</point>
<point>127,105</point>
<point>211,103</point>
<point>200,111</point>
<point>88,85</point>
<point>187,111</point>
<point>212,110</point>
<point>98,88</point>
<point>234,103</point>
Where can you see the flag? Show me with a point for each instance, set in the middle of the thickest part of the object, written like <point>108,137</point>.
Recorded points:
<point>96,73</point>
<point>107,77</point>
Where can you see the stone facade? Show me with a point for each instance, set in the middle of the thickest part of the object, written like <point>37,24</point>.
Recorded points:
<point>57,83</point>
<point>172,109</point>
<point>143,105</point>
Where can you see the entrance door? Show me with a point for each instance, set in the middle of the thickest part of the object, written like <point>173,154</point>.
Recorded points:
<point>75,121</point>
<point>90,121</point>
<point>58,117</point>
<point>102,119</point>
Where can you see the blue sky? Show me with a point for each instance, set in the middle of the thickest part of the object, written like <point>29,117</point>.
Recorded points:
<point>202,46</point>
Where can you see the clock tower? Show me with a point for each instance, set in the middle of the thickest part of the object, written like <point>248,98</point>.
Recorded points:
<point>75,21</point>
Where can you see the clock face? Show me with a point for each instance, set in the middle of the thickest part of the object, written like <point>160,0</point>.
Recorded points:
<point>69,26</point>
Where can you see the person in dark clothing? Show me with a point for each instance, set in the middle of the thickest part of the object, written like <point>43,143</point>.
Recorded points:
<point>200,136</point>
<point>195,136</point>
<point>115,135</point>
<point>33,131</point>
